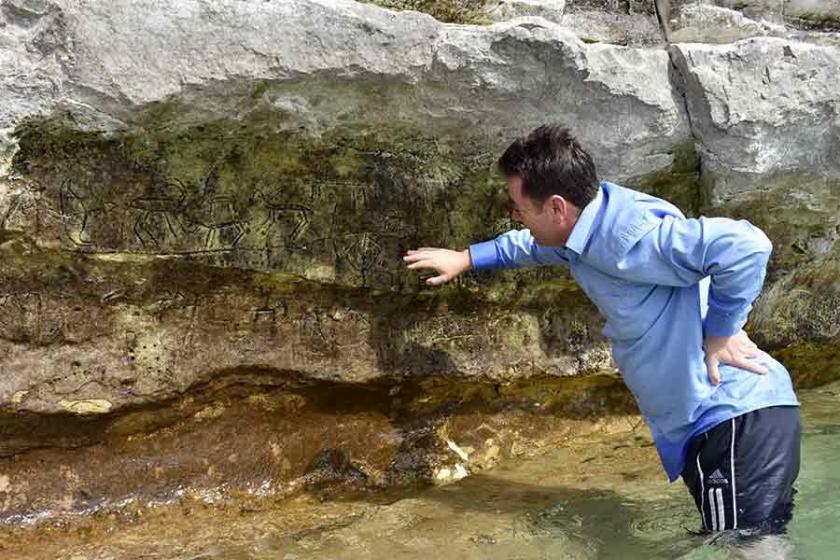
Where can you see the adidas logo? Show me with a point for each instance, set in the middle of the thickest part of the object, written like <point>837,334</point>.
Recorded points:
<point>718,478</point>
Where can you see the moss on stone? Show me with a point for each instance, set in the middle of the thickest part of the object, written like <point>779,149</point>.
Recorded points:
<point>799,229</point>
<point>24,263</point>
<point>449,11</point>
<point>58,135</point>
<point>571,397</point>
<point>811,363</point>
<point>577,397</point>
<point>343,207</point>
<point>804,305</point>
<point>819,20</point>
<point>679,184</point>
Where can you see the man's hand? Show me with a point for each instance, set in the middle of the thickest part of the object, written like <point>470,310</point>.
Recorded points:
<point>446,262</point>
<point>734,350</point>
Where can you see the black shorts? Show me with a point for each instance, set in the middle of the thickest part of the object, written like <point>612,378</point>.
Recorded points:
<point>741,472</point>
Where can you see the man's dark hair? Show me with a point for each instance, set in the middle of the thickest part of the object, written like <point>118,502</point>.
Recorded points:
<point>551,161</point>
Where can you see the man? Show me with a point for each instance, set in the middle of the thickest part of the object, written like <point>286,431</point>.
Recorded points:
<point>675,294</point>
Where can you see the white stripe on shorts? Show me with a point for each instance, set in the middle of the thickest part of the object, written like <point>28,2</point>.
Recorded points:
<point>732,477</point>
<point>712,508</point>
<point>702,494</point>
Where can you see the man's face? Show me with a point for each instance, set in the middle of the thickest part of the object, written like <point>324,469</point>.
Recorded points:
<point>550,222</point>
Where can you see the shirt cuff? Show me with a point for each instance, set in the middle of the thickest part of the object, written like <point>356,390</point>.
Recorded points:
<point>718,323</point>
<point>484,255</point>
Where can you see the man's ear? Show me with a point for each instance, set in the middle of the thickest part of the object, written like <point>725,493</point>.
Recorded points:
<point>559,207</point>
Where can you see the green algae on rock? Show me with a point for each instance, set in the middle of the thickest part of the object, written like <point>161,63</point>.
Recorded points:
<point>812,364</point>
<point>803,307</point>
<point>679,184</point>
<point>336,208</point>
<point>449,11</point>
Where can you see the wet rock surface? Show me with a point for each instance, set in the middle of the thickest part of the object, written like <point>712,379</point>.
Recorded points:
<point>250,525</point>
<point>247,435</point>
<point>601,494</point>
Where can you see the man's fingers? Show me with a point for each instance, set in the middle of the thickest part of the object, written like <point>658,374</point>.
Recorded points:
<point>750,366</point>
<point>422,264</point>
<point>434,281</point>
<point>714,373</point>
<point>414,256</point>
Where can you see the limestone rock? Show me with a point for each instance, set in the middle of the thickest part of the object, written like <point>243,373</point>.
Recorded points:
<point>823,15</point>
<point>318,139</point>
<point>322,63</point>
<point>212,118</point>
<point>705,23</point>
<point>766,114</point>
<point>768,10</point>
<point>763,110</point>
<point>637,29</point>
<point>552,10</point>
<point>816,13</point>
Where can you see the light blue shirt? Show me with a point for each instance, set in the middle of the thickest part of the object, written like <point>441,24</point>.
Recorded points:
<point>661,281</point>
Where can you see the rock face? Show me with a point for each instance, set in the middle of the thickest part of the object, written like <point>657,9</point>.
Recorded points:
<point>551,10</point>
<point>766,111</point>
<point>220,192</point>
<point>698,22</point>
<point>324,162</point>
<point>762,108</point>
<point>117,68</point>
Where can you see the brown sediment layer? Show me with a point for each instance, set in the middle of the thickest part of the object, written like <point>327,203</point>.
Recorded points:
<point>269,433</point>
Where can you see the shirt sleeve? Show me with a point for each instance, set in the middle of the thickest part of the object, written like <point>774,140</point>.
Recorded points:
<point>514,249</point>
<point>680,252</point>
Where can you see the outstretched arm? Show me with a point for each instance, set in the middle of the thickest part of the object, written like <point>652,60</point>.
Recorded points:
<point>512,249</point>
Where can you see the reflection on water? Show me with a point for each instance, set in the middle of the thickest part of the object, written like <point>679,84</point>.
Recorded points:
<point>601,498</point>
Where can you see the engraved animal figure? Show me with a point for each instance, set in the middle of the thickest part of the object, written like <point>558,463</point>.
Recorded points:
<point>161,214</point>
<point>222,225</point>
<point>288,222</point>
<point>217,216</point>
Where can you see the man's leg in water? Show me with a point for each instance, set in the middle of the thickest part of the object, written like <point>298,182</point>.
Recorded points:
<point>741,472</point>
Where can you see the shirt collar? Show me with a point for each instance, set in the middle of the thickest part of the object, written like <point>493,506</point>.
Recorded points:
<point>583,227</point>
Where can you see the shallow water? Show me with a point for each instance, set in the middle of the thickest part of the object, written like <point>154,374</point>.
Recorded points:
<point>601,497</point>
